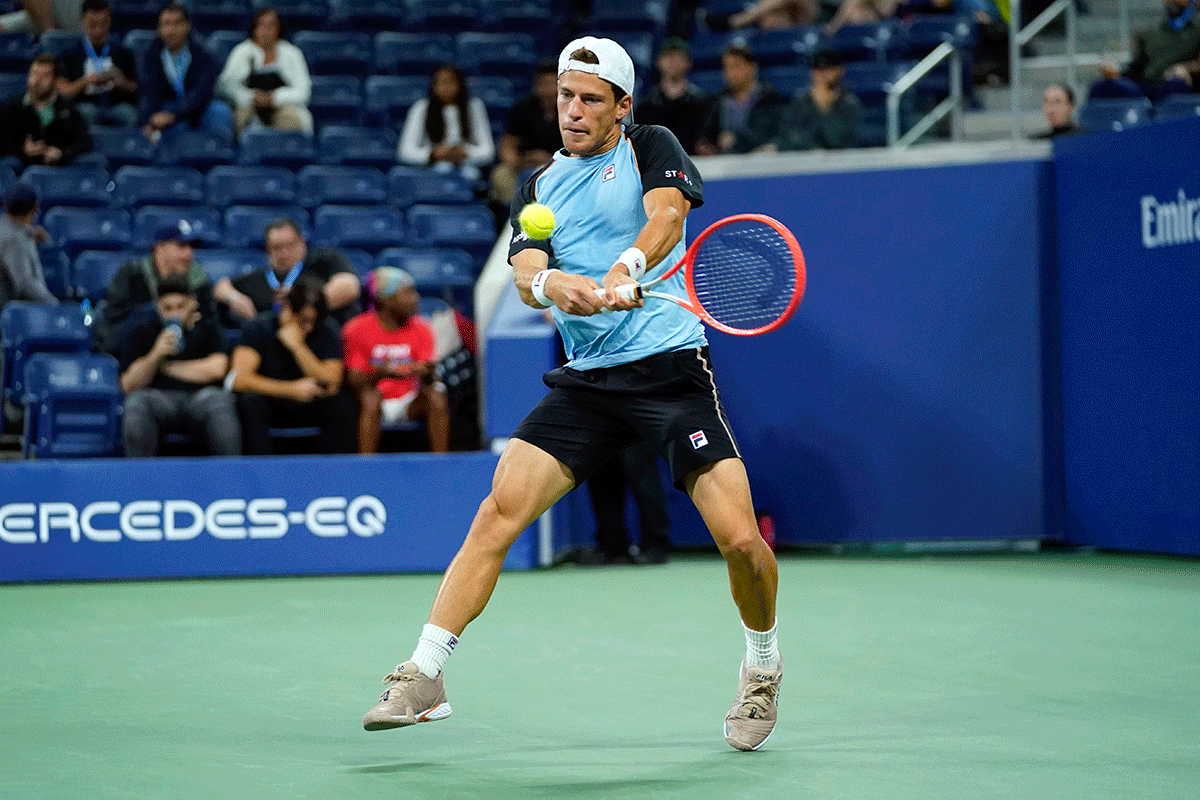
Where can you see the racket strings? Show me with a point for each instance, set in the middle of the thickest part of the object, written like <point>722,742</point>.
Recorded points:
<point>744,275</point>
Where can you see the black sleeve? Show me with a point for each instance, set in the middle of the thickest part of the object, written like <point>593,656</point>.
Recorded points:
<point>138,340</point>
<point>519,241</point>
<point>203,340</point>
<point>663,163</point>
<point>257,333</point>
<point>326,341</point>
<point>325,262</point>
<point>72,63</point>
<point>254,285</point>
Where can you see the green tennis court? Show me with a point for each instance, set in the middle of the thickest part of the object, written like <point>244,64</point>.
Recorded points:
<point>1042,676</point>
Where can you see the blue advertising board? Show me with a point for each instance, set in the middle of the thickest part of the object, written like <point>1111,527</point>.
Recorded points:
<point>69,520</point>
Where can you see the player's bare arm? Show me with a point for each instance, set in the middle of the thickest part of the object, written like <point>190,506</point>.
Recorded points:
<point>573,294</point>
<point>666,209</point>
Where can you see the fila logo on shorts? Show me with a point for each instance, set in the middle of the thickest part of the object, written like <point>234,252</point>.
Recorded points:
<point>698,440</point>
<point>609,173</point>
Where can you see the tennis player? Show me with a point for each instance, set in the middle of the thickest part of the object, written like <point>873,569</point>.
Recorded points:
<point>620,193</point>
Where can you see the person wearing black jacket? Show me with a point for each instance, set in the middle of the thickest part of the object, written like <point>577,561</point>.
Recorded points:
<point>747,113</point>
<point>176,81</point>
<point>41,126</point>
<point>98,72</point>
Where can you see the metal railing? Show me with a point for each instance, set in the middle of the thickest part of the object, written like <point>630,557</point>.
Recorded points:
<point>952,105</point>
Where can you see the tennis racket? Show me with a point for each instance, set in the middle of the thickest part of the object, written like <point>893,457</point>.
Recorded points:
<point>744,275</point>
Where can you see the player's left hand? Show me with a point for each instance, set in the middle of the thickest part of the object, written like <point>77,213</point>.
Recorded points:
<point>618,275</point>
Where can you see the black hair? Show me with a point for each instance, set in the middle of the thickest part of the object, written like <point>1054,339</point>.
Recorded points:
<point>435,121</point>
<point>20,206</point>
<point>308,290</point>
<point>94,5</point>
<point>178,8</point>
<point>546,66</point>
<point>175,284</point>
<point>283,31</point>
<point>47,58</point>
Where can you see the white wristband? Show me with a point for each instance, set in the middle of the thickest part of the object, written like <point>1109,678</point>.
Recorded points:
<point>635,261</point>
<point>538,287</point>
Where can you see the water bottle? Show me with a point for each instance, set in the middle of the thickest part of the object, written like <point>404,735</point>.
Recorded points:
<point>86,308</point>
<point>173,325</point>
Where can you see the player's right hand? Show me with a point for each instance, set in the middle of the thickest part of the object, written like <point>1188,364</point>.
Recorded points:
<point>574,294</point>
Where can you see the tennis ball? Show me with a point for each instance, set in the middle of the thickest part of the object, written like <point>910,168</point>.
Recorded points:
<point>537,221</point>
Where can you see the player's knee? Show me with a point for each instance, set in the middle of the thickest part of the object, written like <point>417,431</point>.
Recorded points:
<point>744,545</point>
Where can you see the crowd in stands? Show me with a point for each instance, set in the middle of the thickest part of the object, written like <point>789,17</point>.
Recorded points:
<point>246,180</point>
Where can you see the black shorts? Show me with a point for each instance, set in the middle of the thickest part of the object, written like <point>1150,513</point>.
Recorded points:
<point>670,400</point>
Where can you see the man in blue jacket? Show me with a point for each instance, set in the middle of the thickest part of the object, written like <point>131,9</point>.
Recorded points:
<point>176,80</point>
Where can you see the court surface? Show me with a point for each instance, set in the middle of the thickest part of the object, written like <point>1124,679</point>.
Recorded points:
<point>1047,676</point>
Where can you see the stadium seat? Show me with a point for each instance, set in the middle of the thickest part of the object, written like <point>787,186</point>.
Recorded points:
<point>68,186</point>
<point>366,15</point>
<point>472,227</point>
<point>390,96</point>
<point>432,267</point>
<point>58,42</point>
<point>29,328</point>
<point>709,81</point>
<point>444,16</point>
<point>202,150</point>
<point>927,32</point>
<point>370,228</point>
<point>707,46</point>
<point>77,229</point>
<point>139,39</point>
<point>786,47</point>
<point>649,16</point>
<point>231,262</point>
<point>124,147</point>
<point>787,80</point>
<point>56,269</point>
<point>7,177</point>
<point>409,185</point>
<point>406,53</point>
<point>238,185</point>
<point>870,81</point>
<point>362,261</point>
<point>245,225</point>
<point>291,149</point>
<point>140,186</point>
<point>93,270</point>
<point>336,52</point>
<point>353,146</point>
<point>341,185</point>
<point>74,404</point>
<point>212,15</point>
<point>496,93</point>
<point>518,16</point>
<point>205,222</point>
<point>1178,105</point>
<point>16,51</point>
<point>866,42</point>
<point>12,84</point>
<point>336,99</point>
<point>221,43</point>
<point>299,15</point>
<point>499,54</point>
<point>129,15</point>
<point>1114,115</point>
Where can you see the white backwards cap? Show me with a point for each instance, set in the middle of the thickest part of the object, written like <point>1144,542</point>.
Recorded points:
<point>615,65</point>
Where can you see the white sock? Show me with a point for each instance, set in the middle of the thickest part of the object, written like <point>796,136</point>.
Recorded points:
<point>433,650</point>
<point>762,648</point>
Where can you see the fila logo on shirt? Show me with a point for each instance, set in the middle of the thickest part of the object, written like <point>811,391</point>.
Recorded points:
<point>698,440</point>
<point>609,173</point>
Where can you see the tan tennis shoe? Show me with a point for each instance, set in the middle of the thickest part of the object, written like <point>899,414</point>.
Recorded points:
<point>410,697</point>
<point>749,723</point>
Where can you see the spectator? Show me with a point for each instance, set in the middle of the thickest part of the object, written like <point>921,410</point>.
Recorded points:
<point>287,371</point>
<point>390,356</point>
<point>531,135</point>
<point>98,73</point>
<point>1058,104</point>
<point>861,12</point>
<point>173,363</point>
<point>177,79</point>
<point>266,78</point>
<point>136,283</point>
<point>1164,58</point>
<point>775,14</point>
<point>675,102</point>
<point>747,114</point>
<point>826,117</point>
<point>266,289</point>
<point>634,468</point>
<point>39,16</point>
<point>42,126</point>
<point>21,275</point>
<point>448,129</point>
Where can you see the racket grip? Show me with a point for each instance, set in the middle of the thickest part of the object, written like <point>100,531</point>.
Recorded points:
<point>630,291</point>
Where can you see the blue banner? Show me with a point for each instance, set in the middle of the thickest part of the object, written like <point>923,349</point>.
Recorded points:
<point>161,518</point>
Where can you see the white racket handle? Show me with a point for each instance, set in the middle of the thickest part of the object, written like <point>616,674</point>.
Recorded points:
<point>629,291</point>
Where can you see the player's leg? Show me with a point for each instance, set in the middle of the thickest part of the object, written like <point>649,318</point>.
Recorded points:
<point>527,481</point>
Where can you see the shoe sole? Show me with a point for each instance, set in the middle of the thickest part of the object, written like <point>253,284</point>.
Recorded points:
<point>438,712</point>
<point>729,742</point>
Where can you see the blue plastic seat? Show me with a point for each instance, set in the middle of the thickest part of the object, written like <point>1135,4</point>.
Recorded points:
<point>649,16</point>
<point>408,53</point>
<point>470,227</point>
<point>140,186</point>
<point>205,222</point>
<point>870,81</point>
<point>221,43</point>
<point>370,228</point>
<point>786,47</point>
<point>788,80</point>
<point>518,16</point>
<point>12,84</point>
<point>140,39</point>
<point>366,15</point>
<point>291,149</point>
<point>238,185</point>
<point>498,93</point>
<point>231,262</point>
<point>124,146</point>
<point>432,267</point>
<point>707,46</point>
<point>58,42</point>
<point>336,52</point>
<point>16,51</point>
<point>390,96</point>
<point>341,185</point>
<point>77,229</point>
<point>245,225</point>
<point>362,261</point>
<point>501,54</point>
<point>56,270</point>
<point>444,16</point>
<point>129,15</point>
<point>211,15</point>
<point>1114,115</point>
<point>300,15</point>
<point>201,150</point>
<point>866,42</point>
<point>75,403</point>
<point>92,271</point>
<point>409,185</point>
<point>709,81</point>
<point>355,146</point>
<point>336,98</point>
<point>68,186</point>
<point>29,328</point>
<point>1178,105</point>
<point>927,32</point>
